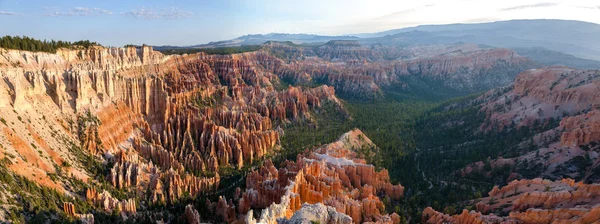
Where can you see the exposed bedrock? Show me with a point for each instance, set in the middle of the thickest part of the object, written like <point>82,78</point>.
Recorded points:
<point>332,176</point>
<point>167,123</point>
<point>531,201</point>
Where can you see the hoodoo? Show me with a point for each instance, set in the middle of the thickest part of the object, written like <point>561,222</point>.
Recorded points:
<point>495,123</point>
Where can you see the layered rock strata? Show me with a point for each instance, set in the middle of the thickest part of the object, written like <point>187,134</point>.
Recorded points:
<point>531,201</point>
<point>361,71</point>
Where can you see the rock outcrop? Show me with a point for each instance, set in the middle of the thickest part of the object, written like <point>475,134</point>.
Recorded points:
<point>561,100</point>
<point>311,213</point>
<point>435,217</point>
<point>332,175</point>
<point>106,201</point>
<point>344,50</point>
<point>69,209</point>
<point>580,130</point>
<point>540,94</point>
<point>191,215</point>
<point>531,201</point>
<point>468,70</point>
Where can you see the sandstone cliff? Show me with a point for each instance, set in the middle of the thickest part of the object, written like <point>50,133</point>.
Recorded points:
<point>167,123</point>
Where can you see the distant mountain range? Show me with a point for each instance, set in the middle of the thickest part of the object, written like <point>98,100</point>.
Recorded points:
<point>257,39</point>
<point>549,58</point>
<point>565,42</point>
<point>581,39</point>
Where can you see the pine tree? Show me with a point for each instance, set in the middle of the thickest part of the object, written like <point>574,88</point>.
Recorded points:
<point>31,44</point>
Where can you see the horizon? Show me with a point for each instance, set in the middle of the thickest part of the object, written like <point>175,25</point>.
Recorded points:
<point>314,111</point>
<point>185,23</point>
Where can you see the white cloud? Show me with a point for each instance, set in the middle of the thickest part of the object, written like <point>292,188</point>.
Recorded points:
<point>170,13</point>
<point>536,5</point>
<point>337,17</point>
<point>4,13</point>
<point>77,11</point>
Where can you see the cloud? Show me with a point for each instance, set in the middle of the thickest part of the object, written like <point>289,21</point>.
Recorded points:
<point>3,13</point>
<point>77,11</point>
<point>537,5</point>
<point>170,13</point>
<point>589,7</point>
<point>404,12</point>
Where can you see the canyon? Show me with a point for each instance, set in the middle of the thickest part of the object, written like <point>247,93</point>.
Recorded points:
<point>167,123</point>
<point>357,70</point>
<point>134,134</point>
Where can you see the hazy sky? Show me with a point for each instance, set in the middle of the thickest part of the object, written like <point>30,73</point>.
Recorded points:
<point>186,22</point>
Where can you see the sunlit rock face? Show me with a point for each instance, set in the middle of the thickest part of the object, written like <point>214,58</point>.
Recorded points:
<point>310,213</point>
<point>167,123</point>
<point>531,201</point>
<point>330,180</point>
<point>109,204</point>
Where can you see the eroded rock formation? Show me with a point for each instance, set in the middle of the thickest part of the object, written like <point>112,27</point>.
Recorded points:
<point>434,217</point>
<point>191,215</point>
<point>361,71</point>
<point>167,123</point>
<point>310,213</point>
<point>69,209</point>
<point>561,100</point>
<point>109,204</point>
<point>531,201</point>
<point>332,175</point>
<point>581,130</point>
<point>540,94</point>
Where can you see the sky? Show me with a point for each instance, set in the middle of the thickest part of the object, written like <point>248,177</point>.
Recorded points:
<point>189,22</point>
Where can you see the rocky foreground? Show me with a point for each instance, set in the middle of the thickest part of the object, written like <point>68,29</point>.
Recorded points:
<point>330,184</point>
